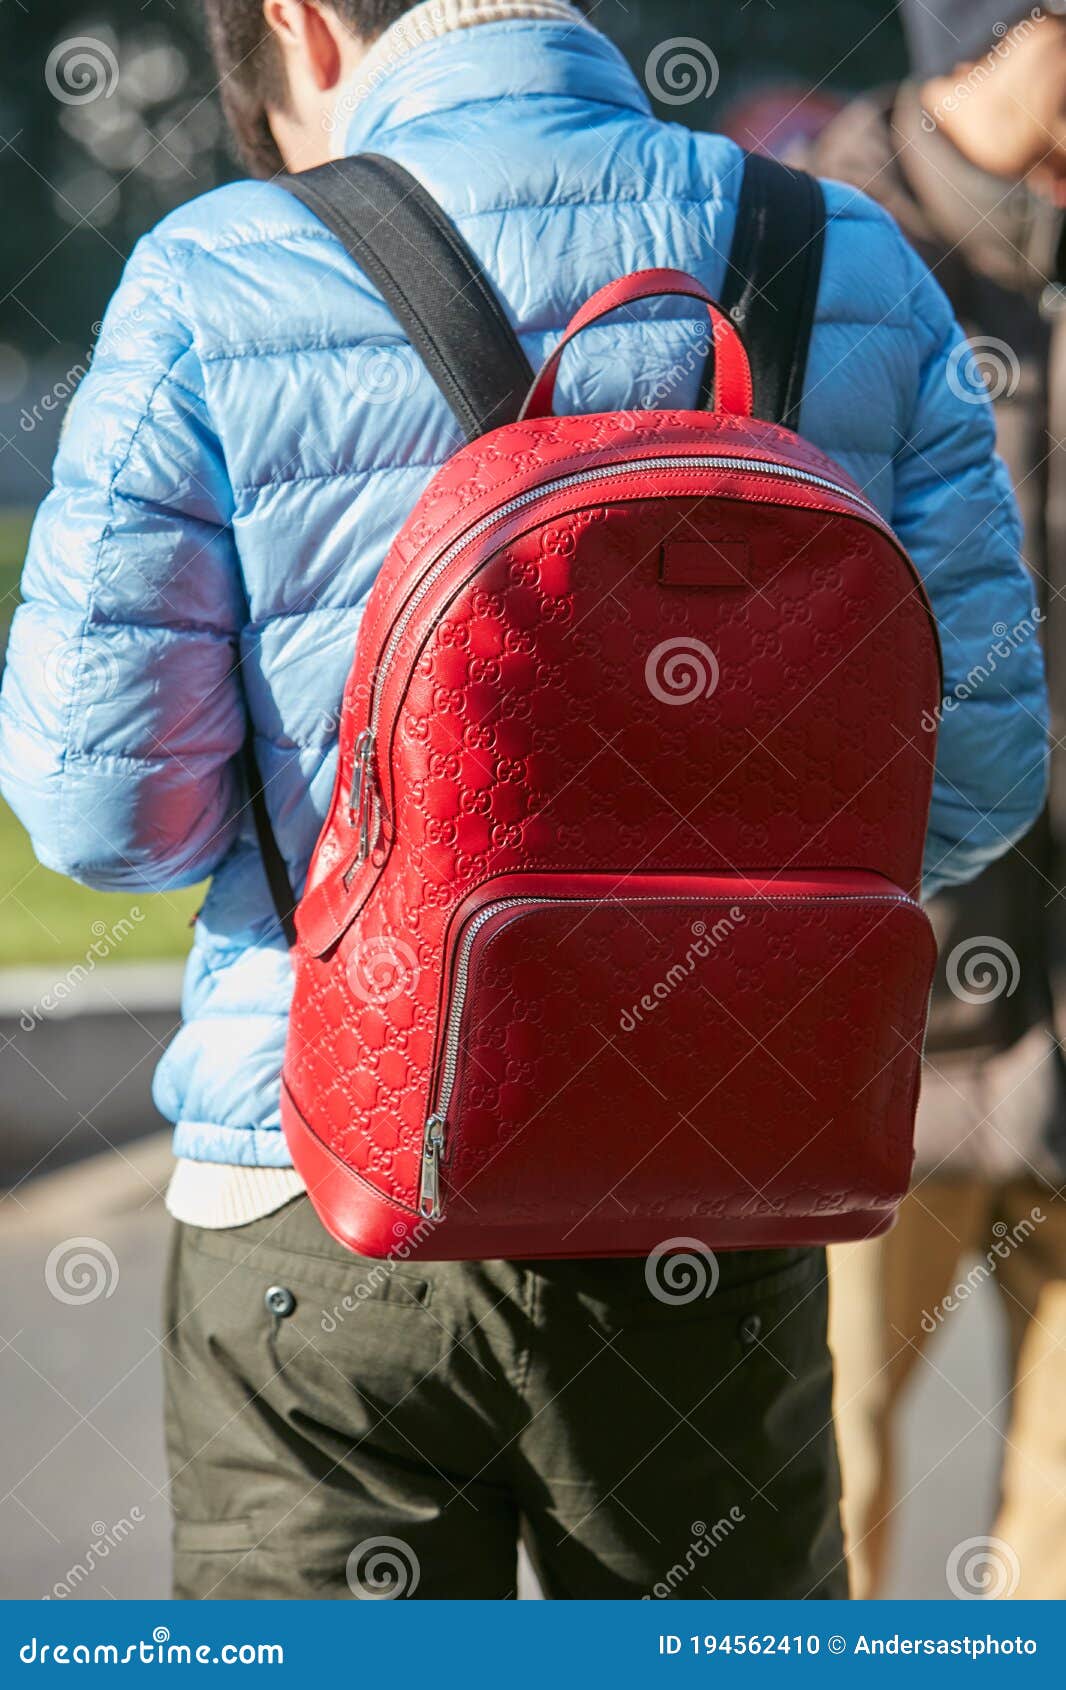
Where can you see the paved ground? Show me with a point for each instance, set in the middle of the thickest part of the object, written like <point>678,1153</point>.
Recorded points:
<point>949,1449</point>
<point>81,1459</point>
<point>81,1456</point>
<point>79,1051</point>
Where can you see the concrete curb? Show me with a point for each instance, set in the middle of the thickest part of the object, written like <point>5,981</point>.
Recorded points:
<point>116,1183</point>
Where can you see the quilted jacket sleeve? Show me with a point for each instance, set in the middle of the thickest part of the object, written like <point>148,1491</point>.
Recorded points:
<point>955,512</point>
<point>121,711</point>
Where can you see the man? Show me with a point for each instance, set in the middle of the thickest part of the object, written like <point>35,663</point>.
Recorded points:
<point>231,477</point>
<point>970,157</point>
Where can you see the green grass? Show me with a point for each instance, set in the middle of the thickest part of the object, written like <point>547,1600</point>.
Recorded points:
<point>14,527</point>
<point>44,918</point>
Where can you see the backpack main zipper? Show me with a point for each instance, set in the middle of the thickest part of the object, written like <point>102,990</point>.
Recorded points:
<point>364,802</point>
<point>435,1132</point>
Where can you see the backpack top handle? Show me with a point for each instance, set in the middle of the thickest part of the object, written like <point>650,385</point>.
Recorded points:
<point>732,370</point>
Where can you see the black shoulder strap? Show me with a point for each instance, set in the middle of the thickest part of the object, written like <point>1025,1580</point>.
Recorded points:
<point>771,282</point>
<point>440,296</point>
<point>429,279</point>
<point>275,868</point>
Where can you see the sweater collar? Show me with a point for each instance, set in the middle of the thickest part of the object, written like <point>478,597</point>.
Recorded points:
<point>426,63</point>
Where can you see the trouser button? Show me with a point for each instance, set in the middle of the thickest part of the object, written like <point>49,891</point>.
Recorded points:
<point>749,1328</point>
<point>280,1301</point>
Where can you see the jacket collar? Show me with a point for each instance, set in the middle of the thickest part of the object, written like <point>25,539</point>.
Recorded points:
<point>429,63</point>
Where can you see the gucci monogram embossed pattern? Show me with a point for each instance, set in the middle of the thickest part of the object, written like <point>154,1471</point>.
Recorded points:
<point>544,717</point>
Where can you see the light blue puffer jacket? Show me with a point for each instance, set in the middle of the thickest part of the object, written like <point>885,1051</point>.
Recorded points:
<point>253,431</point>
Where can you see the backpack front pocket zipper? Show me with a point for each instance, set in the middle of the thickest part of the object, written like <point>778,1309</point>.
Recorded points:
<point>764,915</point>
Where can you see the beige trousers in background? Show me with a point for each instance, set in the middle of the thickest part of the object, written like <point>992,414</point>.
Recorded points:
<point>881,1293</point>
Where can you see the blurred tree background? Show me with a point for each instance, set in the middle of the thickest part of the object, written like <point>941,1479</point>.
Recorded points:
<point>85,174</point>
<point>82,180</point>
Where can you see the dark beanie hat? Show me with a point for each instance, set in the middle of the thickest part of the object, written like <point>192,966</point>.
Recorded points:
<point>944,33</point>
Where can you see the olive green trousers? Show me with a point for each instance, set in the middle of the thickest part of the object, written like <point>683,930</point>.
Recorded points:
<point>344,1428</point>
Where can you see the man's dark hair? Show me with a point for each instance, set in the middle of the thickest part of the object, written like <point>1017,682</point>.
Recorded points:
<point>250,71</point>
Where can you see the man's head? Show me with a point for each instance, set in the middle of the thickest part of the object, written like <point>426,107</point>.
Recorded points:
<point>280,64</point>
<point>993,76</point>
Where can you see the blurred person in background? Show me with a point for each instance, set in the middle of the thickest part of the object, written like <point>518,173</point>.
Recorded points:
<point>970,158</point>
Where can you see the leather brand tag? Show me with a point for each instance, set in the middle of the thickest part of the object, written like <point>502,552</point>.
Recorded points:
<point>705,563</point>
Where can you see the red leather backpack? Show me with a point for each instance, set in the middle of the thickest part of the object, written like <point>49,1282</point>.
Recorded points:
<point>610,937</point>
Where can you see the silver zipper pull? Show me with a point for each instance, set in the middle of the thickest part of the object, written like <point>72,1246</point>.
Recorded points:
<point>360,757</point>
<point>361,800</point>
<point>429,1203</point>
